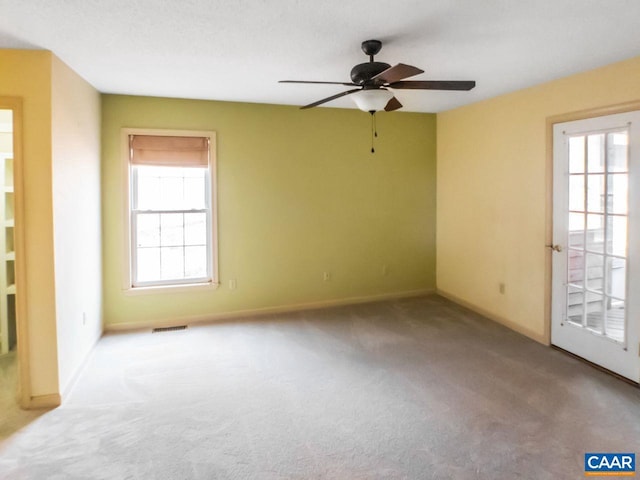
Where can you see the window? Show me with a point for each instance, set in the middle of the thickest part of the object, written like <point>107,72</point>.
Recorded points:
<point>171,229</point>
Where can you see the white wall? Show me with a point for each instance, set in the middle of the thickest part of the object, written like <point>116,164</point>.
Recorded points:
<point>76,216</point>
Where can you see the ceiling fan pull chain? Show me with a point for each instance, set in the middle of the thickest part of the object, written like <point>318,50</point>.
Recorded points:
<point>373,129</point>
<point>373,79</point>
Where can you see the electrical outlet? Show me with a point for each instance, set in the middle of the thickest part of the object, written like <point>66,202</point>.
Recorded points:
<point>84,318</point>
<point>501,288</point>
<point>326,276</point>
<point>233,284</point>
<point>385,270</point>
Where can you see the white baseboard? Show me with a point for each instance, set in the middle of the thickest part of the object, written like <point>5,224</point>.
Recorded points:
<point>496,318</point>
<point>37,402</point>
<point>66,389</point>
<point>115,327</point>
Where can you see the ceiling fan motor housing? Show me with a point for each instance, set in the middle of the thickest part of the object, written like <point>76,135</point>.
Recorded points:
<point>371,47</point>
<point>372,79</point>
<point>362,73</point>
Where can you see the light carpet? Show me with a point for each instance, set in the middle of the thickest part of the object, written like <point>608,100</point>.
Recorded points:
<point>409,389</point>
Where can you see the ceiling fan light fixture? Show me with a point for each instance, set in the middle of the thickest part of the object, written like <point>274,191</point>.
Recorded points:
<point>372,99</point>
<point>371,78</point>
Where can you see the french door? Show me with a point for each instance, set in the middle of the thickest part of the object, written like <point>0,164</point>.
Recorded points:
<point>596,236</point>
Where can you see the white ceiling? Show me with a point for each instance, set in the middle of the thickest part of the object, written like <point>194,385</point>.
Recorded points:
<point>237,50</point>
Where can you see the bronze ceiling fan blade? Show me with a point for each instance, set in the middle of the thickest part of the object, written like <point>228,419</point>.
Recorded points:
<point>373,76</point>
<point>396,73</point>
<point>333,97</point>
<point>434,85</point>
<point>392,105</point>
<point>325,83</point>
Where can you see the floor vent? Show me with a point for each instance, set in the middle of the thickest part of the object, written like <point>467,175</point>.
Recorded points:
<point>168,329</point>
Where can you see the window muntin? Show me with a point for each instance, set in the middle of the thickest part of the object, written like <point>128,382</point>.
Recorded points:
<point>171,225</point>
<point>598,218</point>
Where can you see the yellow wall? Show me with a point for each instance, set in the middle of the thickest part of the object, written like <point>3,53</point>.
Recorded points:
<point>27,74</point>
<point>492,191</point>
<point>76,213</point>
<point>299,193</point>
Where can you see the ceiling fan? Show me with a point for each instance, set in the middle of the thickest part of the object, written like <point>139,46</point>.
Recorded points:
<point>373,79</point>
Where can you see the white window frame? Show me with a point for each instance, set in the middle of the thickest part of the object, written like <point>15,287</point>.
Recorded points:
<point>129,217</point>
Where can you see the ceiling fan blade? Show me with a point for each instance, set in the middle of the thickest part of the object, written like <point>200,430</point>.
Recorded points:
<point>325,83</point>
<point>396,73</point>
<point>333,97</point>
<point>392,105</point>
<point>434,84</point>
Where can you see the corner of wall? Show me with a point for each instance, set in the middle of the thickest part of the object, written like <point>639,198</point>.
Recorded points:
<point>75,127</point>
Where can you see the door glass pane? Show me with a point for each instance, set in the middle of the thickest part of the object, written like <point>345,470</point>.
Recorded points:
<point>595,272</point>
<point>617,235</point>
<point>595,193</point>
<point>615,319</point>
<point>576,193</point>
<point>595,314</point>
<point>576,154</point>
<point>595,153</point>
<point>575,266</point>
<point>618,195</point>
<point>576,230</point>
<point>616,269</point>
<point>617,151</point>
<point>575,299</point>
<point>595,233</point>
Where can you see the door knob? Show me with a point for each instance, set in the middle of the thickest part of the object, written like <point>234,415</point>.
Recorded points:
<point>555,248</point>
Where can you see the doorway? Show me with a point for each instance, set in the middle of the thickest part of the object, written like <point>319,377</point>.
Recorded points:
<point>596,241</point>
<point>8,324</point>
<point>14,347</point>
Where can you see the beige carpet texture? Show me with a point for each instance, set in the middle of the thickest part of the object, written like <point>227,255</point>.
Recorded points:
<point>408,389</point>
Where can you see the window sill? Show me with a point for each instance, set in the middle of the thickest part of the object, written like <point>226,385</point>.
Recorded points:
<point>160,289</point>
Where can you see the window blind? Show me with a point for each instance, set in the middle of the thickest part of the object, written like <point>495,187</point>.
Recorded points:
<point>169,151</point>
